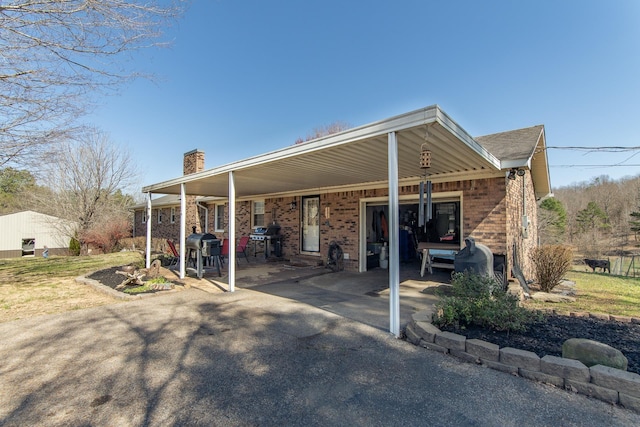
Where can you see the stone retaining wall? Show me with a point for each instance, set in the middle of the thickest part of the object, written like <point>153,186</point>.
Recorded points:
<point>602,382</point>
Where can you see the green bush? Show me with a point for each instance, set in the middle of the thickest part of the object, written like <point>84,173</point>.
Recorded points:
<point>74,247</point>
<point>481,301</point>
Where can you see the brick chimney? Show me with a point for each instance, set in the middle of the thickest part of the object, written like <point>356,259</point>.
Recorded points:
<point>193,162</point>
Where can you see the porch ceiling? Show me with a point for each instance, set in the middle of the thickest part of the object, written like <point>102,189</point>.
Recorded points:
<point>357,156</point>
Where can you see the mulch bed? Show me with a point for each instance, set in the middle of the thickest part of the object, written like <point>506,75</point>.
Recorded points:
<point>546,337</point>
<point>110,278</point>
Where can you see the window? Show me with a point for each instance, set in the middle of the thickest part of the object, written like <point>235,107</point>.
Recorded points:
<point>219,218</point>
<point>144,216</point>
<point>159,216</point>
<point>257,216</point>
<point>172,219</point>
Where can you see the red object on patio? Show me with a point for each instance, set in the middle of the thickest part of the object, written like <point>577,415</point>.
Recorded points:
<point>176,256</point>
<point>240,248</point>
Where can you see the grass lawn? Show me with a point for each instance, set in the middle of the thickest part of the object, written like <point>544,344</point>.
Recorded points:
<point>600,293</point>
<point>34,286</point>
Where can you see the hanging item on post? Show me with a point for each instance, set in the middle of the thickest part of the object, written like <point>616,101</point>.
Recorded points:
<point>424,211</point>
<point>425,157</point>
<point>425,203</point>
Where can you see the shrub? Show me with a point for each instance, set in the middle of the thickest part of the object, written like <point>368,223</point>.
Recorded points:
<point>74,247</point>
<point>481,301</point>
<point>551,263</point>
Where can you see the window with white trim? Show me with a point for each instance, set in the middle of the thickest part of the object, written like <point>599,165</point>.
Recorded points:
<point>159,216</point>
<point>257,213</point>
<point>144,216</point>
<point>219,217</point>
<point>172,218</point>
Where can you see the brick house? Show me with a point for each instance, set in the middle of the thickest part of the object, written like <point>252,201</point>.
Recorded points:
<point>359,186</point>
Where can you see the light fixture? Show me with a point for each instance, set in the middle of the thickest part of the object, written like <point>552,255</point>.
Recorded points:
<point>512,174</point>
<point>293,205</point>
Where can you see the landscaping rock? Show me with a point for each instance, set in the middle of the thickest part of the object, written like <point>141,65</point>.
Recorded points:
<point>593,353</point>
<point>547,297</point>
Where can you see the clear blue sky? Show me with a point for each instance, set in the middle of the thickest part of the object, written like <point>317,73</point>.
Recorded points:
<point>244,77</point>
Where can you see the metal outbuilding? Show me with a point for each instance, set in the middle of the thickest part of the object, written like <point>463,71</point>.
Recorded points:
<point>27,233</point>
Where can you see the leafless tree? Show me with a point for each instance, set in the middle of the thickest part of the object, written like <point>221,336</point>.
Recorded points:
<point>55,53</point>
<point>87,181</point>
<point>335,127</point>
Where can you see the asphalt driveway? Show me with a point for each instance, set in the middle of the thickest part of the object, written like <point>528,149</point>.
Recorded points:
<point>253,358</point>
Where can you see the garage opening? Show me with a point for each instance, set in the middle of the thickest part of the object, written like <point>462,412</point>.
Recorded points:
<point>444,228</point>
<point>29,246</point>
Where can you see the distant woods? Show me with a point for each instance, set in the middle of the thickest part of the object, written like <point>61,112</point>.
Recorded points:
<point>599,218</point>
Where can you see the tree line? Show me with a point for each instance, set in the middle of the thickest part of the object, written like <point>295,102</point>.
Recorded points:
<point>599,218</point>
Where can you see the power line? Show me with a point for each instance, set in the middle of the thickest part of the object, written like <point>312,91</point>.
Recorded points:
<point>613,149</point>
<point>594,166</point>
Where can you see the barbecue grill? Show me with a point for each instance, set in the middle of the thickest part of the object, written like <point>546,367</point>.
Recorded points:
<point>204,245</point>
<point>270,235</point>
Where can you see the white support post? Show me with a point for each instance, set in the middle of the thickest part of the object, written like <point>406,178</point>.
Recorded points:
<point>394,237</point>
<point>232,233</point>
<point>148,248</point>
<point>183,232</point>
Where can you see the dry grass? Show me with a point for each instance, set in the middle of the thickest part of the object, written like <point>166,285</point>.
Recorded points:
<point>35,286</point>
<point>600,293</point>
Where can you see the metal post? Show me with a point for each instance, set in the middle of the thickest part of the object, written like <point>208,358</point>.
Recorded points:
<point>148,213</point>
<point>232,233</point>
<point>394,237</point>
<point>183,226</point>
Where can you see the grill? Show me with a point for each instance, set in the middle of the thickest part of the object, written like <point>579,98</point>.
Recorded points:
<point>475,258</point>
<point>200,246</point>
<point>270,235</point>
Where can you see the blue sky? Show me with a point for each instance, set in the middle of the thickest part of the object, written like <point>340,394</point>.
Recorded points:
<point>244,77</point>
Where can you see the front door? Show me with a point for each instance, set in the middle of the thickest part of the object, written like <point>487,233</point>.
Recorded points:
<point>311,224</point>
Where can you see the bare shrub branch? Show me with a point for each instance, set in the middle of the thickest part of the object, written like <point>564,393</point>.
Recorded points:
<point>551,263</point>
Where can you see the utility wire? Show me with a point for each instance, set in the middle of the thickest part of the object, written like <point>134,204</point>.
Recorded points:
<point>608,149</point>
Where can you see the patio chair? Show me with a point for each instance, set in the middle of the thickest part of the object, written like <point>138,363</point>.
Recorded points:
<point>175,261</point>
<point>241,248</point>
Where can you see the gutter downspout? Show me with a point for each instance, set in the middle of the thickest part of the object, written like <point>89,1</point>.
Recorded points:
<point>206,216</point>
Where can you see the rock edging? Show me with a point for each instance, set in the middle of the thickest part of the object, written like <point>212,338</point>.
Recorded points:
<point>601,382</point>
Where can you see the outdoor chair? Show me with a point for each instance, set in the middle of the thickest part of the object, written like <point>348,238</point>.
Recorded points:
<point>175,261</point>
<point>241,248</point>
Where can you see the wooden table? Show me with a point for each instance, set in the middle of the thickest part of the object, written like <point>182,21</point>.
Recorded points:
<point>426,247</point>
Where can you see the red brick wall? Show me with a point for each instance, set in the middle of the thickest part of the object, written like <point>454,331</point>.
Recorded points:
<point>492,213</point>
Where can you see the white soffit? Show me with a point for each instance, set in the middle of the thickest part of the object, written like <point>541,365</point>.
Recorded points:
<point>356,156</point>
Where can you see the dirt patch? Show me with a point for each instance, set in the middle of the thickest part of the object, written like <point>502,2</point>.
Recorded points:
<point>546,337</point>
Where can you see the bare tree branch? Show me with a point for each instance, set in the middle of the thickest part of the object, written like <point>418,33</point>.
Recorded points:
<point>54,53</point>
<point>86,179</point>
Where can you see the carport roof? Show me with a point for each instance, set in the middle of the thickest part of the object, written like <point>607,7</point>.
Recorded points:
<point>354,157</point>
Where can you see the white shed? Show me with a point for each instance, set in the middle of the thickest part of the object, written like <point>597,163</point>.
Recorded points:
<point>27,233</point>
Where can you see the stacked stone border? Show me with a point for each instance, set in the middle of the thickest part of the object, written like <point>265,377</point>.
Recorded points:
<point>601,382</point>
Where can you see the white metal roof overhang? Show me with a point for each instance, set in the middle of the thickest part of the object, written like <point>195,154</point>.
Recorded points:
<point>354,157</point>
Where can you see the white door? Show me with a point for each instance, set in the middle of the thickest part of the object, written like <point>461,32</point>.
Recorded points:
<point>311,224</point>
